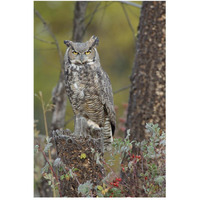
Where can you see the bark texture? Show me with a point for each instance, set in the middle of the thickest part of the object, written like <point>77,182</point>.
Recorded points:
<point>70,149</point>
<point>147,94</point>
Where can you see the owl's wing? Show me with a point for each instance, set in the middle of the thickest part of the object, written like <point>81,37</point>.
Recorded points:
<point>106,97</point>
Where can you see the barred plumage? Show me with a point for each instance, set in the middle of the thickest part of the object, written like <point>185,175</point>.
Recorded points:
<point>88,87</point>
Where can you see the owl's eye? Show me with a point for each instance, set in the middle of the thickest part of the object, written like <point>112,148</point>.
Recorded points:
<point>87,52</point>
<point>74,52</point>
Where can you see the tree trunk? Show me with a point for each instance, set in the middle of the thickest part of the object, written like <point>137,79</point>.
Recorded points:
<point>147,94</point>
<point>59,97</point>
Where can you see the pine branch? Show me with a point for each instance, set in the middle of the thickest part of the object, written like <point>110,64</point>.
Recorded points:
<point>45,41</point>
<point>127,17</point>
<point>103,7</point>
<point>121,89</point>
<point>131,4</point>
<point>92,16</point>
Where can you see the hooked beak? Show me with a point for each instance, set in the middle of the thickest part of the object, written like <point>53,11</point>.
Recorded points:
<point>82,59</point>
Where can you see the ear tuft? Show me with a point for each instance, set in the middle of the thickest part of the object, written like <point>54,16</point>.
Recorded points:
<point>67,42</point>
<point>94,40</point>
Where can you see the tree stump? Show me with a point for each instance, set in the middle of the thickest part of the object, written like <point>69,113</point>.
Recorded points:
<point>80,156</point>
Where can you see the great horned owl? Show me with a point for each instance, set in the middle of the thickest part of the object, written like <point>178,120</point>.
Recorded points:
<point>88,88</point>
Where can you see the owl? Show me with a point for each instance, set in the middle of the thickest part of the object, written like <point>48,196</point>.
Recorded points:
<point>89,89</point>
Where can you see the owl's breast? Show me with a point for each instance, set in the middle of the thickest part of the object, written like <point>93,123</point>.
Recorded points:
<point>81,79</point>
<point>82,88</point>
<point>75,85</point>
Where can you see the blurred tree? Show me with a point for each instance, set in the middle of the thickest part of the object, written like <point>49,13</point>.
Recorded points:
<point>59,97</point>
<point>147,94</point>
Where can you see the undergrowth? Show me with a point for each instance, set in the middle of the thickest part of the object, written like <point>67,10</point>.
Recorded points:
<point>142,171</point>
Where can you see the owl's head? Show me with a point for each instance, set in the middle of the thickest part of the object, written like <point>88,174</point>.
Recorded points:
<point>82,53</point>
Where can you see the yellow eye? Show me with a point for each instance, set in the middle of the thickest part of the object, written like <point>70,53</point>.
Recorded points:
<point>87,52</point>
<point>74,52</point>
